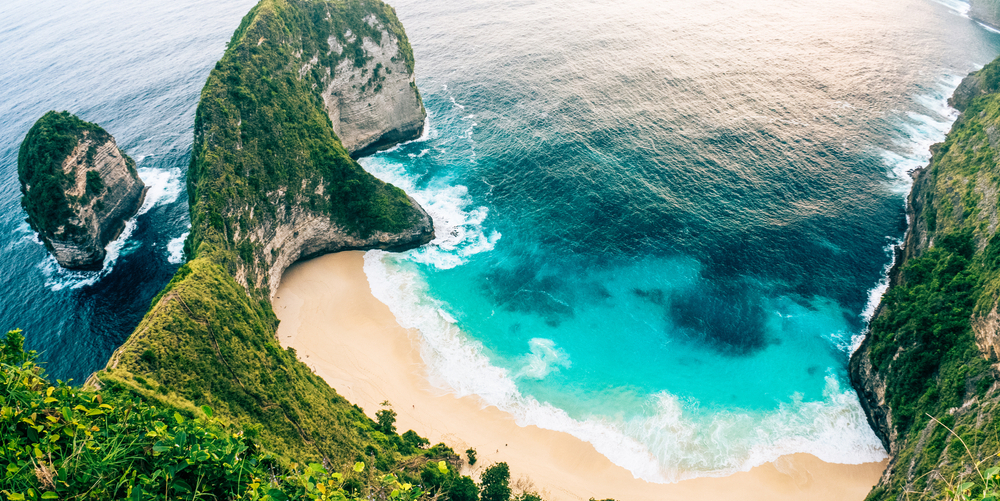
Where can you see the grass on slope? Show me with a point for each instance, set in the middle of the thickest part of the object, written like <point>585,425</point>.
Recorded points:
<point>263,140</point>
<point>205,342</point>
<point>62,442</point>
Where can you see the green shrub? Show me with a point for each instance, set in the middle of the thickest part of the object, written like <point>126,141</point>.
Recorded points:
<point>494,485</point>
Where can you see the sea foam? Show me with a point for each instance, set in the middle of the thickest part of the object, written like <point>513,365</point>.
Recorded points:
<point>672,442</point>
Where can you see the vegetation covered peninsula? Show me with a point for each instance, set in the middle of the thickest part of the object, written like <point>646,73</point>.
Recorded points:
<point>926,372</point>
<point>77,187</point>
<point>201,401</point>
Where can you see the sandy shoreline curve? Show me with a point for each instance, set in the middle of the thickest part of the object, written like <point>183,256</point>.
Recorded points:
<point>351,340</point>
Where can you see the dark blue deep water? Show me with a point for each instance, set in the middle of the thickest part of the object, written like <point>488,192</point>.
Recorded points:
<point>662,225</point>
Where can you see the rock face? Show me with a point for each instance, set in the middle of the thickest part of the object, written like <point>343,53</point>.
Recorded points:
<point>377,104</point>
<point>985,11</point>
<point>297,233</point>
<point>304,86</point>
<point>926,373</point>
<point>78,188</point>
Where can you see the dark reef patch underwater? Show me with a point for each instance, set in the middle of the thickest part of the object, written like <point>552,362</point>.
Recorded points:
<point>659,228</point>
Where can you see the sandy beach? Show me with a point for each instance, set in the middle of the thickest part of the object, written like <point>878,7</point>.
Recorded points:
<point>329,316</point>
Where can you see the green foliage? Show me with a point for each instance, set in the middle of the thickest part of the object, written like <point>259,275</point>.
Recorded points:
<point>931,307</point>
<point>414,441</point>
<point>447,484</point>
<point>61,442</point>
<point>263,139</point>
<point>95,185</point>
<point>39,167</point>
<point>922,343</point>
<point>494,485</point>
<point>528,496</point>
<point>386,419</point>
<point>205,342</point>
<point>471,454</point>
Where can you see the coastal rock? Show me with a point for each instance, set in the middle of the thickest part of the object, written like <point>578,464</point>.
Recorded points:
<point>374,105</point>
<point>926,373</point>
<point>870,386</point>
<point>78,188</point>
<point>304,87</point>
<point>296,233</point>
<point>986,12</point>
<point>970,88</point>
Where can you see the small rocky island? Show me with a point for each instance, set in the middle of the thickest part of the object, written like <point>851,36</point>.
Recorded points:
<point>77,187</point>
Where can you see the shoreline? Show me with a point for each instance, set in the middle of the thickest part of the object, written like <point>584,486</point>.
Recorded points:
<point>351,340</point>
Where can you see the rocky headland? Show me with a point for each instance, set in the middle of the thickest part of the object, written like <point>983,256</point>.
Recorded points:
<point>302,86</point>
<point>77,187</point>
<point>926,373</point>
<point>986,12</point>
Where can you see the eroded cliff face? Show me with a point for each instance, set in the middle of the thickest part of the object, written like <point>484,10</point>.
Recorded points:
<point>269,184</point>
<point>377,104</point>
<point>926,373</point>
<point>304,85</point>
<point>985,11</point>
<point>296,233</point>
<point>81,206</point>
<point>99,217</point>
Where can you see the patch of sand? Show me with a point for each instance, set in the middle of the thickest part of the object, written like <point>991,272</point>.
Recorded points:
<point>350,339</point>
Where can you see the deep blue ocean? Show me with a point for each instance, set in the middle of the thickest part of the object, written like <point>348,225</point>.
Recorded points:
<point>661,225</point>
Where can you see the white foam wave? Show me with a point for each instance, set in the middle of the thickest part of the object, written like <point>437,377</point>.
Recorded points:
<point>542,359</point>
<point>27,236</point>
<point>874,296</point>
<point>428,133</point>
<point>58,278</point>
<point>875,293</point>
<point>175,249</point>
<point>458,223</point>
<point>918,131</point>
<point>165,185</point>
<point>957,7</point>
<point>672,442</point>
<point>988,27</point>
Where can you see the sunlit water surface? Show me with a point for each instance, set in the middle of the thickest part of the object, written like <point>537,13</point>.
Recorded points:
<point>661,225</point>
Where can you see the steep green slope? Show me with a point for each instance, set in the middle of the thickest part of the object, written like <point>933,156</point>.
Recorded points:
<point>924,372</point>
<point>264,143</point>
<point>264,147</point>
<point>61,442</point>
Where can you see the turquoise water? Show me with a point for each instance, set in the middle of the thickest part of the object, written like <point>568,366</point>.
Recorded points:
<point>661,225</point>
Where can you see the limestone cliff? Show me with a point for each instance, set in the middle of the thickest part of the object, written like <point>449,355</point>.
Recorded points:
<point>926,372</point>
<point>271,181</point>
<point>78,188</point>
<point>985,11</point>
<point>376,104</point>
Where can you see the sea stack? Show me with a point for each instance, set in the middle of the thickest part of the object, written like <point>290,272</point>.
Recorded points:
<point>77,187</point>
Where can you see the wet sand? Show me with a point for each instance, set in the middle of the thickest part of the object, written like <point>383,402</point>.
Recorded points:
<point>350,339</point>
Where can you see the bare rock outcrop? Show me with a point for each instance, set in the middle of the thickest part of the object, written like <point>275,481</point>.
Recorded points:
<point>985,11</point>
<point>376,104</point>
<point>78,188</point>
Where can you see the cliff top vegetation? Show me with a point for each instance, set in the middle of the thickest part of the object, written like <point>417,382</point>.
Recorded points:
<point>39,167</point>
<point>263,139</point>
